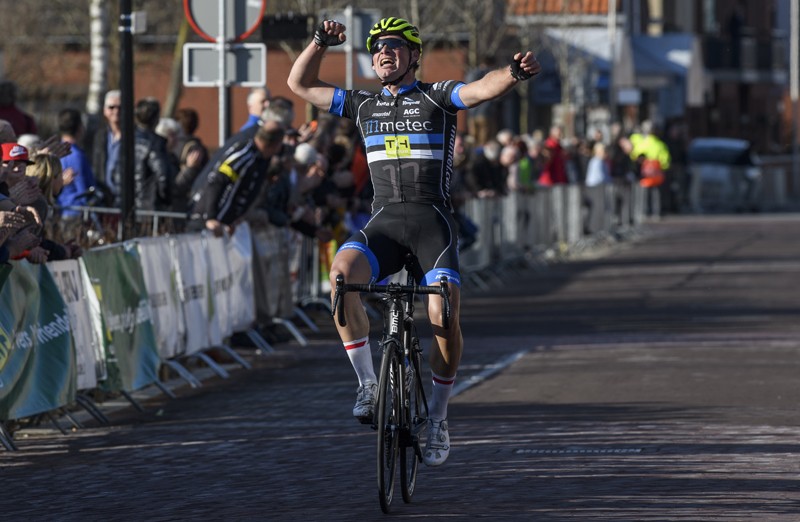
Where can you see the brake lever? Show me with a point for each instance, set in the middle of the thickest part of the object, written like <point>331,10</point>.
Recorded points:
<point>445,293</point>
<point>338,310</point>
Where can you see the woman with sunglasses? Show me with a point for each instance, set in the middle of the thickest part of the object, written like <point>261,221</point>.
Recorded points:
<point>409,129</point>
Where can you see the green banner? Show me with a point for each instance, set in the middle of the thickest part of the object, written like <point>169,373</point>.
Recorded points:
<point>130,342</point>
<point>37,363</point>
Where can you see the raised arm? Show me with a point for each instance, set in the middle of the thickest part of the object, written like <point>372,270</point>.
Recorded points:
<point>304,77</point>
<point>499,81</point>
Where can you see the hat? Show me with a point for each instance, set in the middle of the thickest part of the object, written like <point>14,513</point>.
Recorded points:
<point>15,152</point>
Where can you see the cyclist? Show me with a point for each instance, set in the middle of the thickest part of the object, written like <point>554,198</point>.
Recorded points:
<point>409,129</point>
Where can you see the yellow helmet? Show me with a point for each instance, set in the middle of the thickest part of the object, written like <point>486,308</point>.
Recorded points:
<point>394,26</point>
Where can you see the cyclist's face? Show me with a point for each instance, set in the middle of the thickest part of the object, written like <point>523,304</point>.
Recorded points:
<point>390,54</point>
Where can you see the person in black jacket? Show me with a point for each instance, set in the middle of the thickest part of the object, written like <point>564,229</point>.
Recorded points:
<point>232,187</point>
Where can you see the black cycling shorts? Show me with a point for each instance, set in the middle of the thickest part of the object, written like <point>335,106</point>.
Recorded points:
<point>427,231</point>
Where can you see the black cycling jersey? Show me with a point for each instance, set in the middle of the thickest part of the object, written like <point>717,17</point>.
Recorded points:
<point>409,139</point>
<point>233,185</point>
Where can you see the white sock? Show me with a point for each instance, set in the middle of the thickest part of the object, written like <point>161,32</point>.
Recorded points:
<point>442,387</point>
<point>361,359</point>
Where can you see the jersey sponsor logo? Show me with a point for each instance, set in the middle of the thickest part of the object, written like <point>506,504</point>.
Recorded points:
<point>381,103</point>
<point>408,101</point>
<point>380,114</point>
<point>392,127</point>
<point>397,146</point>
<point>411,112</point>
<point>442,85</point>
<point>366,93</point>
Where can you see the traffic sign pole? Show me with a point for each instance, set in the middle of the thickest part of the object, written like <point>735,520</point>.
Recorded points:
<point>235,21</point>
<point>223,87</point>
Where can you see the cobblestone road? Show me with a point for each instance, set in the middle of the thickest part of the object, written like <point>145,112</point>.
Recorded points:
<point>657,381</point>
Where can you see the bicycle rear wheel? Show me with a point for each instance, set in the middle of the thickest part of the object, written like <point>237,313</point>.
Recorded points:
<point>415,418</point>
<point>387,420</point>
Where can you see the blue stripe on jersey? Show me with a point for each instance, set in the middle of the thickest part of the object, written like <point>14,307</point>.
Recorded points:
<point>364,249</point>
<point>456,99</point>
<point>435,275</point>
<point>337,103</point>
<point>413,139</point>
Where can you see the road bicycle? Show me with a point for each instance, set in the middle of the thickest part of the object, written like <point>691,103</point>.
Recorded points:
<point>402,409</point>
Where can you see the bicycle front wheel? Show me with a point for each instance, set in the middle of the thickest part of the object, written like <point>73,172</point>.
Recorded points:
<point>387,419</point>
<point>414,424</point>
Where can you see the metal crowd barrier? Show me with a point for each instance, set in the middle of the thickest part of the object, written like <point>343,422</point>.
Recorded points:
<point>276,274</point>
<point>523,227</point>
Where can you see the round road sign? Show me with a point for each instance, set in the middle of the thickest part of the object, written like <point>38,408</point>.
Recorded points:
<point>242,17</point>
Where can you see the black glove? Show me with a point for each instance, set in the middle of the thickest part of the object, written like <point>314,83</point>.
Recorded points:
<point>517,72</point>
<point>323,39</point>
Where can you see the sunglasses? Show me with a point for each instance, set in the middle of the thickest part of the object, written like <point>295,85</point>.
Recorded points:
<point>391,43</point>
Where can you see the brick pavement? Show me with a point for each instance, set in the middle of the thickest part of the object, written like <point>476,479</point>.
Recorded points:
<point>633,397</point>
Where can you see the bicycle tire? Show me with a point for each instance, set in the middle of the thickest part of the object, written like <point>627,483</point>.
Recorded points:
<point>415,420</point>
<point>388,417</point>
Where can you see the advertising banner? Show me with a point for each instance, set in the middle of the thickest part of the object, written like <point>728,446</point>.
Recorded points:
<point>37,366</point>
<point>192,271</point>
<point>221,281</point>
<point>131,355</point>
<point>240,259</point>
<point>86,339</point>
<point>158,269</point>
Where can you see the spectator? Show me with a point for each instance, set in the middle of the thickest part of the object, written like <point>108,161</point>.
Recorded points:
<point>47,171</point>
<point>171,131</point>
<point>554,170</point>
<point>523,171</point>
<point>598,172</point>
<point>21,198</point>
<point>152,171</point>
<point>15,160</point>
<point>12,245</point>
<point>257,101</point>
<point>75,193</point>
<point>646,143</point>
<point>18,220</point>
<point>193,156</point>
<point>279,111</point>
<point>232,187</point>
<point>20,121</point>
<point>105,148</point>
<point>487,177</point>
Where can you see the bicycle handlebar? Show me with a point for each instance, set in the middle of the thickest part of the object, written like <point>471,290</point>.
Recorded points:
<point>393,290</point>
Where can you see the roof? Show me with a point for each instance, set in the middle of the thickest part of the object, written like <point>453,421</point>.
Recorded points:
<point>670,52</point>
<point>556,7</point>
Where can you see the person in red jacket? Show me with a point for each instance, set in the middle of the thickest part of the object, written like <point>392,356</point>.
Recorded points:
<point>554,171</point>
